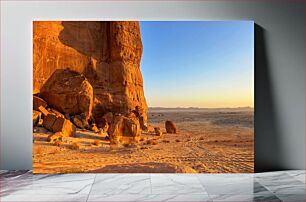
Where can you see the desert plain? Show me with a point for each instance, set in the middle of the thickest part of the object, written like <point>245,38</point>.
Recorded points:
<point>207,141</point>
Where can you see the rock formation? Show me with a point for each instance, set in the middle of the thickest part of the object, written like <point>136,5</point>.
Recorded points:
<point>124,130</point>
<point>59,124</point>
<point>69,92</point>
<point>108,54</point>
<point>170,127</point>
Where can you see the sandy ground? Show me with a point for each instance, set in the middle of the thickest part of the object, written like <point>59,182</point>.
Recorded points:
<point>208,141</point>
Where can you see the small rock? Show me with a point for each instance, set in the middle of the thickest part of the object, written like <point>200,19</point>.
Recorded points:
<point>78,122</point>
<point>58,136</point>
<point>36,117</point>
<point>40,123</point>
<point>43,111</point>
<point>65,126</point>
<point>170,127</point>
<point>157,131</point>
<point>143,125</point>
<point>103,124</point>
<point>94,128</point>
<point>40,130</point>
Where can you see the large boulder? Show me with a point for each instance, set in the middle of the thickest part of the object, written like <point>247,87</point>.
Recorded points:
<point>68,92</point>
<point>65,126</point>
<point>124,130</point>
<point>170,127</point>
<point>49,120</point>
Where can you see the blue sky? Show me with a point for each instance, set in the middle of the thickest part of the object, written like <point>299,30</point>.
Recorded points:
<point>198,63</point>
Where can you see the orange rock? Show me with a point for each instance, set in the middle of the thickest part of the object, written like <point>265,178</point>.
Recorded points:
<point>124,130</point>
<point>43,110</point>
<point>107,53</point>
<point>37,102</point>
<point>57,113</point>
<point>94,128</point>
<point>49,121</point>
<point>170,127</point>
<point>58,136</point>
<point>143,124</point>
<point>36,117</point>
<point>59,124</point>
<point>68,92</point>
<point>157,131</point>
<point>64,126</point>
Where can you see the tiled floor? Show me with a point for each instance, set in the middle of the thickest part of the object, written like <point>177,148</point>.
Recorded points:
<point>273,186</point>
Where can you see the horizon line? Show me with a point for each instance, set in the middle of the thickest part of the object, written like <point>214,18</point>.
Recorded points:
<point>202,107</point>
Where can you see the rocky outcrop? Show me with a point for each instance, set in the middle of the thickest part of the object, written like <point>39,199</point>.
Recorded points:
<point>124,130</point>
<point>69,92</point>
<point>108,54</point>
<point>170,127</point>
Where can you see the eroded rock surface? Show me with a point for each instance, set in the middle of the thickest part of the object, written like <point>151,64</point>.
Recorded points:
<point>124,130</point>
<point>69,92</point>
<point>108,54</point>
<point>59,124</point>
<point>37,102</point>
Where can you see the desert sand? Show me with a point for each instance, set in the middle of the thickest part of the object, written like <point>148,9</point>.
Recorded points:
<point>207,141</point>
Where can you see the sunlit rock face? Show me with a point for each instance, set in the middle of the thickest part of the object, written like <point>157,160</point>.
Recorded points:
<point>108,54</point>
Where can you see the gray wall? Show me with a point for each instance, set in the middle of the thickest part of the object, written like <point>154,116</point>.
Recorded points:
<point>279,68</point>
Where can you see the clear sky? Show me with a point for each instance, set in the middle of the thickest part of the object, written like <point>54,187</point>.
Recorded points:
<point>198,63</point>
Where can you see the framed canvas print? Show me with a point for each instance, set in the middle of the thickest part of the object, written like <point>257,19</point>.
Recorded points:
<point>143,96</point>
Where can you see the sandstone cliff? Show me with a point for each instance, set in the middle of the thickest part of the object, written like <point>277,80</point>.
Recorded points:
<point>107,53</point>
